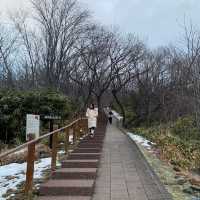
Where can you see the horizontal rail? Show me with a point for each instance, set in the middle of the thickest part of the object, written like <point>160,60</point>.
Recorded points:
<point>79,129</point>
<point>38,139</point>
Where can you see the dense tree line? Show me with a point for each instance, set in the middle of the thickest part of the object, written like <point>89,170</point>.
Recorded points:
<point>60,47</point>
<point>169,87</point>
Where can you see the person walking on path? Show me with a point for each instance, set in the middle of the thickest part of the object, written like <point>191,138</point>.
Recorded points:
<point>92,115</point>
<point>110,115</point>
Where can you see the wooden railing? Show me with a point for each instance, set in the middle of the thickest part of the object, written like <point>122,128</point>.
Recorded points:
<point>78,128</point>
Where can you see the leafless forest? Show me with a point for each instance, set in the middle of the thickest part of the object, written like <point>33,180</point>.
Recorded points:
<point>60,46</point>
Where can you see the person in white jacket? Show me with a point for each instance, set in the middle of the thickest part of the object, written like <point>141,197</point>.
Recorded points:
<point>92,114</point>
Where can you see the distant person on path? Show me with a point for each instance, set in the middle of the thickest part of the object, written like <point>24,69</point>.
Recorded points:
<point>110,115</point>
<point>92,115</point>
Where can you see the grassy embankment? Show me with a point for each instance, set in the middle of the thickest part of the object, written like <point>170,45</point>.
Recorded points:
<point>178,143</point>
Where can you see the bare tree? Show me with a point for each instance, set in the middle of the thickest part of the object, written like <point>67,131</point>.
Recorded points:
<point>103,57</point>
<point>8,44</point>
<point>61,24</point>
<point>31,59</point>
<point>128,68</point>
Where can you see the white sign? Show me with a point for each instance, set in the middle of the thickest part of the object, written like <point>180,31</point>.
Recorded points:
<point>32,126</point>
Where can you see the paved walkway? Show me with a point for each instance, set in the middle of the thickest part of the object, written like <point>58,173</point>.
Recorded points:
<point>124,174</point>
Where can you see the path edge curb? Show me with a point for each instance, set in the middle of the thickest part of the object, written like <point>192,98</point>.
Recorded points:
<point>125,132</point>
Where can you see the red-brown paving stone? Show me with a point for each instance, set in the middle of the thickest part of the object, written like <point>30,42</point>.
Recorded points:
<point>75,173</point>
<point>84,156</point>
<point>65,198</point>
<point>89,145</point>
<point>80,163</point>
<point>92,142</point>
<point>87,150</point>
<point>67,187</point>
<point>100,138</point>
<point>91,139</point>
<point>76,179</point>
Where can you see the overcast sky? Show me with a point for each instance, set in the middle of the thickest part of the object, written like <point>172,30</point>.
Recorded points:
<point>159,22</point>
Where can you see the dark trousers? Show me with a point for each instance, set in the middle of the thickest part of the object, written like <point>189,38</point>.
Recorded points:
<point>92,128</point>
<point>110,120</point>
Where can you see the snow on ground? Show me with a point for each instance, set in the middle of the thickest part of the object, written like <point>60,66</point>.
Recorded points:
<point>117,115</point>
<point>61,152</point>
<point>13,174</point>
<point>140,140</point>
<point>70,138</point>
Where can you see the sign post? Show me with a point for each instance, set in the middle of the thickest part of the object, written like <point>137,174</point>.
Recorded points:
<point>32,127</point>
<point>51,119</point>
<point>32,132</point>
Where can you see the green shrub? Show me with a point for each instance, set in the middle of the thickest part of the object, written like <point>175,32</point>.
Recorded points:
<point>15,105</point>
<point>172,143</point>
<point>185,128</point>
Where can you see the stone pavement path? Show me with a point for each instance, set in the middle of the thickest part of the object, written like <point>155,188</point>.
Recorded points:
<point>124,174</point>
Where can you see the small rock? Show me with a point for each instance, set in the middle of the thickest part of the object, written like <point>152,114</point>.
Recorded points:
<point>196,188</point>
<point>10,191</point>
<point>195,198</point>
<point>11,177</point>
<point>183,174</point>
<point>172,162</point>
<point>5,185</point>
<point>177,176</point>
<point>177,169</point>
<point>181,181</point>
<point>188,190</point>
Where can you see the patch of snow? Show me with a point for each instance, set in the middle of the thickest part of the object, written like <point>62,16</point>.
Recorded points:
<point>141,140</point>
<point>37,185</point>
<point>41,166</point>
<point>12,195</point>
<point>61,152</point>
<point>117,115</point>
<point>13,174</point>
<point>70,138</point>
<point>58,164</point>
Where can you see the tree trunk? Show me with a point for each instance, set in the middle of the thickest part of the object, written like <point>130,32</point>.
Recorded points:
<point>99,103</point>
<point>120,106</point>
<point>87,99</point>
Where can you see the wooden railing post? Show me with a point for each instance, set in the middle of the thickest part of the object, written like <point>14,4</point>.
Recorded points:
<point>86,126</point>
<point>31,145</point>
<point>78,127</point>
<point>30,168</point>
<point>74,133</point>
<point>81,125</point>
<point>54,151</point>
<point>66,140</point>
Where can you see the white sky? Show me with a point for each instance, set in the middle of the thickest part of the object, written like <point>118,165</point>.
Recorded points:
<point>157,21</point>
<point>11,4</point>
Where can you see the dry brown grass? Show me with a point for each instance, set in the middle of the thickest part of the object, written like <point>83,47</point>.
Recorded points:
<point>42,151</point>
